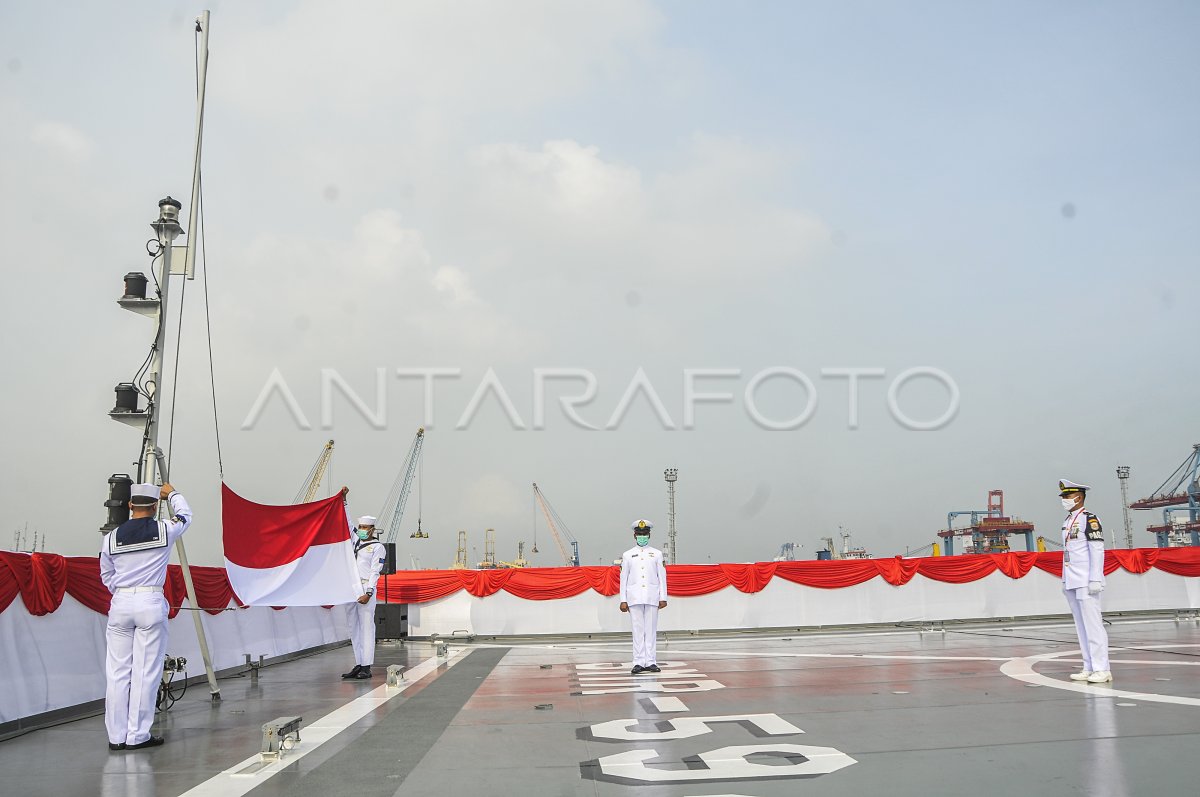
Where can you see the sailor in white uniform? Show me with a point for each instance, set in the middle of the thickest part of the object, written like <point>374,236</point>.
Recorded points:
<point>370,555</point>
<point>1083,581</point>
<point>643,593</point>
<point>133,565</point>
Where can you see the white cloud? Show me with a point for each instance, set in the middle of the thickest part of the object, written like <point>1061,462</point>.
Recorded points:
<point>708,214</point>
<point>464,59</point>
<point>62,139</point>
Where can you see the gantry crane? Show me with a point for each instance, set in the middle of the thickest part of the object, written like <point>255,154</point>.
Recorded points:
<point>489,550</point>
<point>460,557</point>
<point>312,482</point>
<point>1179,493</point>
<point>989,530</point>
<point>393,508</point>
<point>558,529</point>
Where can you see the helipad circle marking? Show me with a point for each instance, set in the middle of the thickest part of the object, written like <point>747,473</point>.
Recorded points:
<point>1021,669</point>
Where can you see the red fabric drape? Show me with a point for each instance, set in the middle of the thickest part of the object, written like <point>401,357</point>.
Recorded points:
<point>42,579</point>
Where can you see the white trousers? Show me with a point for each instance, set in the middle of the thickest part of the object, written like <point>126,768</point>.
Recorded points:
<point>137,643</point>
<point>1089,626</point>
<point>361,617</point>
<point>645,633</point>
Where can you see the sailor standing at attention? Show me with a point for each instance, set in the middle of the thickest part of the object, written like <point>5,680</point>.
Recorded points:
<point>133,565</point>
<point>1083,581</point>
<point>370,555</point>
<point>643,593</point>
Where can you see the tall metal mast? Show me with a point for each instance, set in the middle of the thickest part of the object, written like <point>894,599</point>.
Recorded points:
<point>167,229</point>
<point>671,475</point>
<point>1123,475</point>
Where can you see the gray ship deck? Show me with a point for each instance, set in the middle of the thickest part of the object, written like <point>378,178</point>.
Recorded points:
<point>984,710</point>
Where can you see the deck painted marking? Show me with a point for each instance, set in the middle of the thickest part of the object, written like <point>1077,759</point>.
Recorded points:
<point>687,727</point>
<point>666,704</point>
<point>757,654</point>
<point>1023,670</point>
<point>229,784</point>
<point>727,763</point>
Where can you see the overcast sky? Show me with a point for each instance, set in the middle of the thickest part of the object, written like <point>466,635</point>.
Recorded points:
<point>1005,192</point>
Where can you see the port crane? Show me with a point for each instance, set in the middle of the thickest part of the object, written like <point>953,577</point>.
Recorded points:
<point>989,530</point>
<point>558,529</point>
<point>787,552</point>
<point>312,482</point>
<point>1179,493</point>
<point>393,507</point>
<point>489,550</point>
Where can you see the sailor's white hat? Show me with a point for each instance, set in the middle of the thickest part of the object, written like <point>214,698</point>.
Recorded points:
<point>642,525</point>
<point>366,520</point>
<point>144,493</point>
<point>1068,486</point>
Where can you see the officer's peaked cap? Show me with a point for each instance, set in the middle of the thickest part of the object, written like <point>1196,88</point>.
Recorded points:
<point>642,526</point>
<point>1068,486</point>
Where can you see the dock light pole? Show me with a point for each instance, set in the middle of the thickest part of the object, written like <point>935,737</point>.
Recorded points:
<point>671,475</point>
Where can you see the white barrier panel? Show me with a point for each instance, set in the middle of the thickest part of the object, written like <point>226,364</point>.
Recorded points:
<point>57,660</point>
<point>782,604</point>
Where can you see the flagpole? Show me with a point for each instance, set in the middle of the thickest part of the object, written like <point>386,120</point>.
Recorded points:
<point>168,229</point>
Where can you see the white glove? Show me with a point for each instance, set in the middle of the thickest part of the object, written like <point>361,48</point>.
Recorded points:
<point>1095,587</point>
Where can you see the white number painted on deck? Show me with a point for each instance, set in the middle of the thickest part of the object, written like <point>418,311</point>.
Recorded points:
<point>729,763</point>
<point>687,727</point>
<point>722,764</point>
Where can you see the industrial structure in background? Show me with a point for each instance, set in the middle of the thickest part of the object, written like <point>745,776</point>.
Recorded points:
<point>489,550</point>
<point>520,561</point>
<point>672,476</point>
<point>1123,477</point>
<point>1179,493</point>
<point>558,529</point>
<point>21,543</point>
<point>312,482</point>
<point>847,551</point>
<point>397,499</point>
<point>460,557</point>
<point>787,552</point>
<point>989,530</point>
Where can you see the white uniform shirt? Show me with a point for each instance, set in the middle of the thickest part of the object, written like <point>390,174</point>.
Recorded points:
<point>148,567</point>
<point>369,556</point>
<point>643,576</point>
<point>1083,549</point>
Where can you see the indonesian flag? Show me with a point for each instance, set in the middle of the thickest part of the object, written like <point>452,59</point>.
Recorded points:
<point>298,555</point>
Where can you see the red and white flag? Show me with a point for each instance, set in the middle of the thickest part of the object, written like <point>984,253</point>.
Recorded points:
<point>299,555</point>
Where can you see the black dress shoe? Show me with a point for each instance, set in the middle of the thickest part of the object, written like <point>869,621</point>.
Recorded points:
<point>637,670</point>
<point>653,668</point>
<point>116,745</point>
<point>363,674</point>
<point>153,741</point>
<point>353,673</point>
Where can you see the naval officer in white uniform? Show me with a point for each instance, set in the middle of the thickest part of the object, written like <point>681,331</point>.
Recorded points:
<point>133,565</point>
<point>1083,581</point>
<point>643,593</point>
<point>369,555</point>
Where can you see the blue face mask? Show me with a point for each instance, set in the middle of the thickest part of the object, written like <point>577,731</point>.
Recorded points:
<point>363,534</point>
<point>642,541</point>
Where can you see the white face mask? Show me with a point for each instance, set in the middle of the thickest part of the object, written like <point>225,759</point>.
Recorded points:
<point>1068,504</point>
